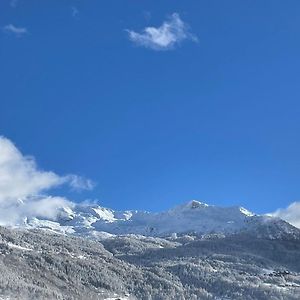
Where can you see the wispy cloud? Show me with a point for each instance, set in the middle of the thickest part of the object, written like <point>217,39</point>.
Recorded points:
<point>74,11</point>
<point>13,3</point>
<point>18,31</point>
<point>290,214</point>
<point>165,37</point>
<point>78,183</point>
<point>24,187</point>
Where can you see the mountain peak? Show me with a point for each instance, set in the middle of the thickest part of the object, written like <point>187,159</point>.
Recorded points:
<point>190,205</point>
<point>193,204</point>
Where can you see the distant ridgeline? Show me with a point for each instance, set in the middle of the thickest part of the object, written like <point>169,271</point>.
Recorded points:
<point>192,217</point>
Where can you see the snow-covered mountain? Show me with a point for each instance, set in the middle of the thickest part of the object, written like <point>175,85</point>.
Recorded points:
<point>193,251</point>
<point>37,264</point>
<point>194,216</point>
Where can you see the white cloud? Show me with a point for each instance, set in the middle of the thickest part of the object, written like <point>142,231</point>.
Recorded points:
<point>171,33</point>
<point>23,186</point>
<point>19,176</point>
<point>290,214</point>
<point>45,207</point>
<point>18,31</point>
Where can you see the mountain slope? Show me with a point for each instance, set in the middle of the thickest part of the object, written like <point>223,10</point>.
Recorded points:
<point>37,264</point>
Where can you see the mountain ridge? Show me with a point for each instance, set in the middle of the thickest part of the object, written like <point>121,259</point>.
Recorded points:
<point>193,216</point>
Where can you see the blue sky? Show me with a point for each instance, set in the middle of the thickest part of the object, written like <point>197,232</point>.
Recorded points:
<point>213,115</point>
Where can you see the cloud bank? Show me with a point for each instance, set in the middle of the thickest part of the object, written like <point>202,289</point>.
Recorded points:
<point>290,214</point>
<point>165,37</point>
<point>23,187</point>
<point>18,31</point>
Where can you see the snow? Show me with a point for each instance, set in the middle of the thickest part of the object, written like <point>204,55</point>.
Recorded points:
<point>18,247</point>
<point>104,214</point>
<point>246,212</point>
<point>55,227</point>
<point>117,298</point>
<point>194,216</point>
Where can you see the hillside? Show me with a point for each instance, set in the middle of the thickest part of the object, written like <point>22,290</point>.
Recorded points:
<point>40,264</point>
